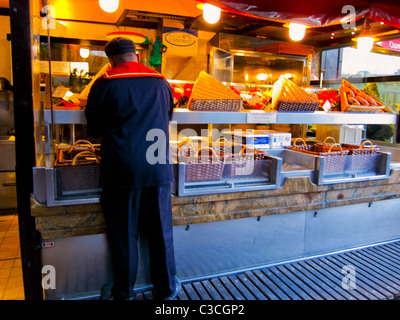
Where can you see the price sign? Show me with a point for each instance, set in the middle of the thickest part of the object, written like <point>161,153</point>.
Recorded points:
<point>261,117</point>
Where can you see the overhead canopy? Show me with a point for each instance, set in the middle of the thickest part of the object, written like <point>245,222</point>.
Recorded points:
<point>314,12</point>
<point>253,18</point>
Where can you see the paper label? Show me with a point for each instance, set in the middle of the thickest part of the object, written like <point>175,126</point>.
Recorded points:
<point>261,117</point>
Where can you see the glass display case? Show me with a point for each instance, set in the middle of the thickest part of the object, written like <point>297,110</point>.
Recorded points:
<point>221,64</point>
<point>282,164</point>
<point>63,126</point>
<point>264,68</point>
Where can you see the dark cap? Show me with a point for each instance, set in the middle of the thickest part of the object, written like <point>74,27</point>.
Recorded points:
<point>119,45</point>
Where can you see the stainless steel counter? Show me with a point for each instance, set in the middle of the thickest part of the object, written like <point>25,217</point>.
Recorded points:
<point>181,116</point>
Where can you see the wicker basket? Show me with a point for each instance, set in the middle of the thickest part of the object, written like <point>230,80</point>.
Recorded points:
<point>324,146</point>
<point>209,94</point>
<point>80,175</point>
<point>289,97</point>
<point>290,106</point>
<point>78,178</point>
<point>77,169</point>
<point>335,161</point>
<point>184,151</point>
<point>362,157</point>
<point>215,105</point>
<point>66,156</point>
<point>361,149</point>
<point>226,146</point>
<point>335,156</point>
<point>205,167</point>
<point>346,107</point>
<point>253,163</point>
<point>300,147</point>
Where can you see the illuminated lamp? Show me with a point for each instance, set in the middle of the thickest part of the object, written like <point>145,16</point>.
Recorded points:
<point>365,40</point>
<point>109,5</point>
<point>365,44</point>
<point>297,31</point>
<point>211,13</point>
<point>262,77</point>
<point>84,52</point>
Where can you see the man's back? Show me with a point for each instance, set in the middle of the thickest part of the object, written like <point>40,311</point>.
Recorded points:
<point>123,111</point>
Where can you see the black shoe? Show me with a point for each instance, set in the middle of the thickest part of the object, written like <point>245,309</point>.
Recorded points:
<point>178,288</point>
<point>106,293</point>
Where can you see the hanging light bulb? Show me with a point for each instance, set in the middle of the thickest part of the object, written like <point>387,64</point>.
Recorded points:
<point>109,5</point>
<point>365,44</point>
<point>211,13</point>
<point>365,40</point>
<point>262,77</point>
<point>84,52</point>
<point>297,31</point>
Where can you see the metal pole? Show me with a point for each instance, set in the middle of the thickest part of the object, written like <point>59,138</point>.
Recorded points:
<point>51,137</point>
<point>20,22</point>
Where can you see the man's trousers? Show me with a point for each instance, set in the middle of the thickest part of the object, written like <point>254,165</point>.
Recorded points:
<point>148,211</point>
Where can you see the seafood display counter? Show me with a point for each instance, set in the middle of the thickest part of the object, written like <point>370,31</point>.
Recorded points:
<point>298,211</point>
<point>280,163</point>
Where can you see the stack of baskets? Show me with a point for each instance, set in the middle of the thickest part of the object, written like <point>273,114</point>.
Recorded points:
<point>78,167</point>
<point>209,94</point>
<point>220,160</point>
<point>287,96</point>
<point>201,164</point>
<point>242,161</point>
<point>335,156</point>
<point>82,152</point>
<point>339,157</point>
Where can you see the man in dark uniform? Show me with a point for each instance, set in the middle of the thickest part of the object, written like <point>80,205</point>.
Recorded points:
<point>129,107</point>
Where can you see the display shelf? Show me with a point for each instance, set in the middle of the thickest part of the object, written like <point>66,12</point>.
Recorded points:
<point>64,115</point>
<point>45,179</point>
<point>252,116</point>
<point>184,116</point>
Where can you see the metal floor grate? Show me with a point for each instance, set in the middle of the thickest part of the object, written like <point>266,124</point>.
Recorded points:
<point>377,277</point>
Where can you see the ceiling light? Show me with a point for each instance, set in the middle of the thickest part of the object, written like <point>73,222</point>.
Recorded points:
<point>365,44</point>
<point>365,40</point>
<point>211,13</point>
<point>109,5</point>
<point>84,52</point>
<point>262,77</point>
<point>297,31</point>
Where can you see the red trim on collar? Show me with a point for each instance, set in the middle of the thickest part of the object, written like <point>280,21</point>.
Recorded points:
<point>130,70</point>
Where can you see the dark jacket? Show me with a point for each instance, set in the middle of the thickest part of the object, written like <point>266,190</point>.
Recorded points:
<point>131,114</point>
